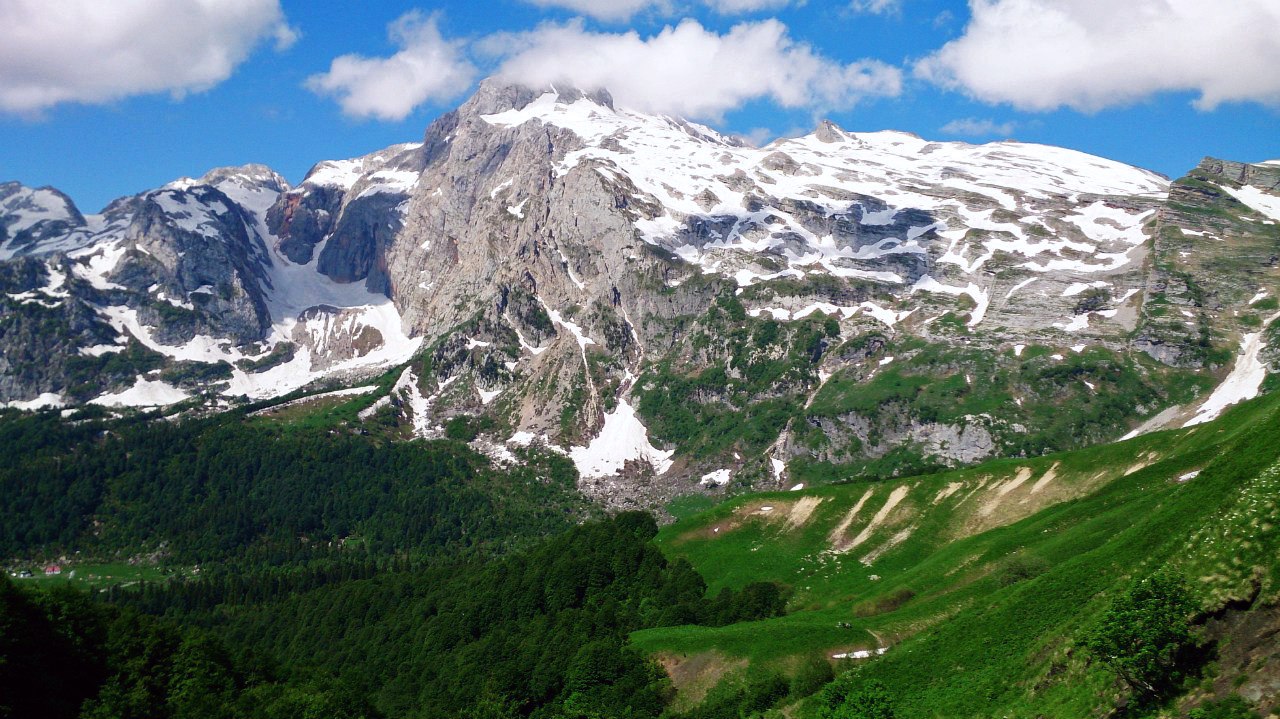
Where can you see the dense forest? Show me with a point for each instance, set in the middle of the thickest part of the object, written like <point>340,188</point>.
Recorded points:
<point>65,655</point>
<point>228,488</point>
<point>539,633</point>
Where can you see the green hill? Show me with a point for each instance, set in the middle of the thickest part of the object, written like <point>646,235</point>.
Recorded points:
<point>978,584</point>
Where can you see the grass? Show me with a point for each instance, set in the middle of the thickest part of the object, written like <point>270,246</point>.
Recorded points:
<point>931,579</point>
<point>102,575</point>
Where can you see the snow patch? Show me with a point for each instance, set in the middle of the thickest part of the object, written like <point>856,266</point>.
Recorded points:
<point>1257,200</point>
<point>1243,383</point>
<point>976,293</point>
<point>623,438</point>
<point>718,478</point>
<point>44,401</point>
<point>143,393</point>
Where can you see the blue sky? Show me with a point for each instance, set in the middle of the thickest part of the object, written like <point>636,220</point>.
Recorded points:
<point>107,102</point>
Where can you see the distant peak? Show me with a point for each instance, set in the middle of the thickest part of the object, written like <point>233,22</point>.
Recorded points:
<point>828,131</point>
<point>497,95</point>
<point>257,174</point>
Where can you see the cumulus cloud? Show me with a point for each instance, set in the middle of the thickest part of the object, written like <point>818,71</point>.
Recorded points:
<point>691,71</point>
<point>877,7</point>
<point>623,10</point>
<point>427,68</point>
<point>974,127</point>
<point>91,51</point>
<point>738,7</point>
<point>1092,54</point>
<point>608,10</point>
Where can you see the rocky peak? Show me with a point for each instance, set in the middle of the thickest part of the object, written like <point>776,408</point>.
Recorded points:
<point>30,218</point>
<point>828,131</point>
<point>496,95</point>
<point>253,174</point>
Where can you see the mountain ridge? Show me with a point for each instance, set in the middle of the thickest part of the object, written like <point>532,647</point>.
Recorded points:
<point>570,262</point>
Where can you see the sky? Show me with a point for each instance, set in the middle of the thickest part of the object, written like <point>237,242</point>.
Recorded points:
<point>106,99</point>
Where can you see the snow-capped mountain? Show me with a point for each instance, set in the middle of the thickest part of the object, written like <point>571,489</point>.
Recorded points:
<point>565,265</point>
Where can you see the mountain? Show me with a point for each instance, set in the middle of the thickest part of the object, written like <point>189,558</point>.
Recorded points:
<point>666,305</point>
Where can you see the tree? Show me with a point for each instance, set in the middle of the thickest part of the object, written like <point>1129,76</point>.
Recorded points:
<point>1146,638</point>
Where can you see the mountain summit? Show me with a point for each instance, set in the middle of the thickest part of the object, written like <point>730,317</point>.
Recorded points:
<point>662,303</point>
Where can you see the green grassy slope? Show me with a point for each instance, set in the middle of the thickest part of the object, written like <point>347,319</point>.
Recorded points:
<point>979,581</point>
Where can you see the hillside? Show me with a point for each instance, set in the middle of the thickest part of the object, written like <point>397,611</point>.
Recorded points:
<point>969,593</point>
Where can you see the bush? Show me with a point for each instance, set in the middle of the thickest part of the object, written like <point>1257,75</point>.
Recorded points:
<point>1020,568</point>
<point>868,701</point>
<point>1232,707</point>
<point>464,428</point>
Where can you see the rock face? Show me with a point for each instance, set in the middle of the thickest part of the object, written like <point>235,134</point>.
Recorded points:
<point>612,283</point>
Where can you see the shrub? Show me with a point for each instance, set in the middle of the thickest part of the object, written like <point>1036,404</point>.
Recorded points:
<point>1232,707</point>
<point>1145,637</point>
<point>868,701</point>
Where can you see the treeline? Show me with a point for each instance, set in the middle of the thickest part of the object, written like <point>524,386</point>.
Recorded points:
<point>63,656</point>
<point>227,487</point>
<point>541,633</point>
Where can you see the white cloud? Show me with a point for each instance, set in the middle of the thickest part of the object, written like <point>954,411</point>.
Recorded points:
<point>92,51</point>
<point>623,10</point>
<point>427,68</point>
<point>607,10</point>
<point>690,71</point>
<point>739,7</point>
<point>1091,54</point>
<point>973,127</point>
<point>758,136</point>
<point>877,7</point>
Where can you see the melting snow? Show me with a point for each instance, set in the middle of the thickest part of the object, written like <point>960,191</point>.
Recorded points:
<point>861,654</point>
<point>718,478</point>
<point>623,438</point>
<point>1075,324</point>
<point>1019,286</point>
<point>1262,202</point>
<point>1078,287</point>
<point>522,439</point>
<point>980,297</point>
<point>1244,381</point>
<point>144,393</point>
<point>48,399</point>
<point>778,467</point>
